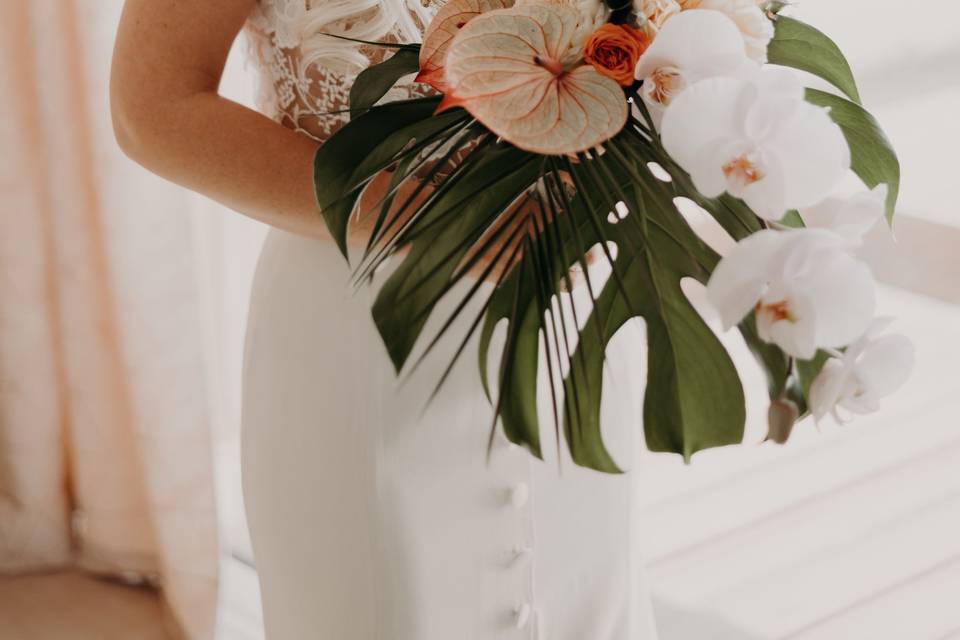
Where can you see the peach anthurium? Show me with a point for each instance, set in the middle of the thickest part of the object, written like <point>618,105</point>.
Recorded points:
<point>516,72</point>
<point>443,28</point>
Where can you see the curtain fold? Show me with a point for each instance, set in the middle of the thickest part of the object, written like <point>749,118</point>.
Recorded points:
<point>105,450</point>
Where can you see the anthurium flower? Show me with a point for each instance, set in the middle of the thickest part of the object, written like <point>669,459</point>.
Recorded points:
<point>516,71</point>
<point>452,17</point>
<point>692,46</point>
<point>593,14</point>
<point>874,367</point>
<point>851,217</point>
<point>757,139</point>
<point>750,18</point>
<point>614,50</point>
<point>805,288</point>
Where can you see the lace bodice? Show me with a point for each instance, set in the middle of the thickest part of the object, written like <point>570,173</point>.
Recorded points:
<point>306,74</point>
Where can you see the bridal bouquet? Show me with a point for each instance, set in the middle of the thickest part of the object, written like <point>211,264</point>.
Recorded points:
<point>566,130</point>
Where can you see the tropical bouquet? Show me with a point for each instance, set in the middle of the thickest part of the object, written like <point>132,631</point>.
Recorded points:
<point>565,131</point>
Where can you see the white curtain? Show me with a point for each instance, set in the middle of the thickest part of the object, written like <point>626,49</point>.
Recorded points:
<point>121,306</point>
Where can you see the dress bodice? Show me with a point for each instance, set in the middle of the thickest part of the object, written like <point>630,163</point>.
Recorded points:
<point>306,72</point>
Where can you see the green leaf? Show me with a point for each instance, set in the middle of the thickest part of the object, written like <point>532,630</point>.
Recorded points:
<point>343,163</point>
<point>798,45</point>
<point>375,81</point>
<point>404,302</point>
<point>775,363</point>
<point>872,155</point>
<point>694,399</point>
<point>518,407</point>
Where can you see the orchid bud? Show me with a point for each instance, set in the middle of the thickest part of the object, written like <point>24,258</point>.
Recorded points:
<point>781,417</point>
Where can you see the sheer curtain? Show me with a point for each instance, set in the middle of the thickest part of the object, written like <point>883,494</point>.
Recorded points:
<point>112,326</point>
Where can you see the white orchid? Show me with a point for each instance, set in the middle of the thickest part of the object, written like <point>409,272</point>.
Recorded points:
<point>750,18</point>
<point>692,46</point>
<point>757,139</point>
<point>872,368</point>
<point>851,217</point>
<point>806,289</point>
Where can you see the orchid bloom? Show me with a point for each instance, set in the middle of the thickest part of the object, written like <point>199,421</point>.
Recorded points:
<point>756,139</point>
<point>852,217</point>
<point>750,18</point>
<point>874,367</point>
<point>805,288</point>
<point>692,46</point>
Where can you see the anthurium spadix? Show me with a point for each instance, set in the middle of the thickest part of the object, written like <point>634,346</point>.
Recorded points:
<point>872,368</point>
<point>805,288</point>
<point>692,46</point>
<point>756,139</point>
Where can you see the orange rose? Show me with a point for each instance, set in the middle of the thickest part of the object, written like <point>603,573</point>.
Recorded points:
<point>614,50</point>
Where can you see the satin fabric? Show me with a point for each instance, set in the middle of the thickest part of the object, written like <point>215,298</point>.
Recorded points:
<point>374,518</point>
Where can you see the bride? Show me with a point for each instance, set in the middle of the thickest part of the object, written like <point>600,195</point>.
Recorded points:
<point>370,516</point>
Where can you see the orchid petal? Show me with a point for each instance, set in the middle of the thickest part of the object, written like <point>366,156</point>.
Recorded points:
<point>707,113</point>
<point>740,278</point>
<point>813,153</point>
<point>827,388</point>
<point>701,44</point>
<point>852,218</point>
<point>843,292</point>
<point>887,364</point>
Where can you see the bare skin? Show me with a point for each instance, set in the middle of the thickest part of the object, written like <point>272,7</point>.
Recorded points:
<point>169,117</point>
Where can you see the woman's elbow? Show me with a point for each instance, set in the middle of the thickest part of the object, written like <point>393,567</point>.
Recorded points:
<point>131,121</point>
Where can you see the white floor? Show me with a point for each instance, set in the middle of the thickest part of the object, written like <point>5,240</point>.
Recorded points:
<point>846,533</point>
<point>849,533</point>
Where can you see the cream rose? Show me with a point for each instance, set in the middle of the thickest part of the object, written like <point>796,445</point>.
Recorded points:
<point>657,12</point>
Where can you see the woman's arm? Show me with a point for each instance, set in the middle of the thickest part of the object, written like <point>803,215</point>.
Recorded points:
<point>168,116</point>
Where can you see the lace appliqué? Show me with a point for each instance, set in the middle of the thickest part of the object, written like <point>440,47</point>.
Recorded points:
<point>308,97</point>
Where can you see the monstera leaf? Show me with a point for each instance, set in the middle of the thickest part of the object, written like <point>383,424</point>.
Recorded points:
<point>693,398</point>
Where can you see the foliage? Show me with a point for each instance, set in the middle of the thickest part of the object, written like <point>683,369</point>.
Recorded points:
<point>523,220</point>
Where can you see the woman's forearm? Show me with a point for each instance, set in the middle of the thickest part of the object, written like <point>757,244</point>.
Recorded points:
<point>168,116</point>
<point>229,153</point>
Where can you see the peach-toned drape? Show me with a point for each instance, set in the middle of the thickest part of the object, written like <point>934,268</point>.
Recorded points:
<point>105,455</point>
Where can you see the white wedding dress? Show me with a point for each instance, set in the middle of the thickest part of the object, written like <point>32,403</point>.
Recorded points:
<point>372,518</point>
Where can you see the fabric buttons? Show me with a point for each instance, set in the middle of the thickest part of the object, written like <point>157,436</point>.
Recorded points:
<point>521,553</point>
<point>520,495</point>
<point>522,616</point>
